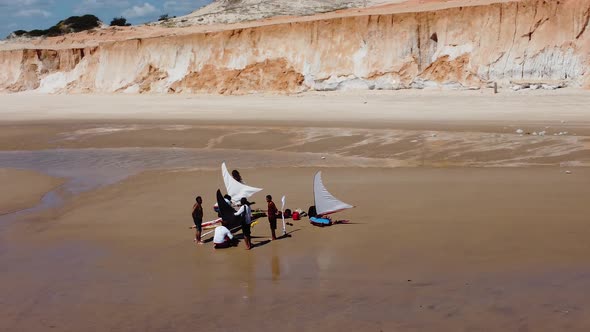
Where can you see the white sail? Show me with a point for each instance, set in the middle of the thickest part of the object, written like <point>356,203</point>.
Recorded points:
<point>234,188</point>
<point>325,203</point>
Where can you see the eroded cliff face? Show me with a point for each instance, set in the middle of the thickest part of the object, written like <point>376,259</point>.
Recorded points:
<point>464,47</point>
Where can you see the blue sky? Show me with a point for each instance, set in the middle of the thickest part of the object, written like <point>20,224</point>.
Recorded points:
<point>42,14</point>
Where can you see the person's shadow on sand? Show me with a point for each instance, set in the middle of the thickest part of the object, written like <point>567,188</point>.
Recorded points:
<point>260,243</point>
<point>265,242</point>
<point>239,237</point>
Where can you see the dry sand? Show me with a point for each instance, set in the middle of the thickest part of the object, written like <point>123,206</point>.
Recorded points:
<point>481,230</point>
<point>357,109</point>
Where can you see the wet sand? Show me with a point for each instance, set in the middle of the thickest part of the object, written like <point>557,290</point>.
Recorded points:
<point>427,249</point>
<point>23,189</point>
<point>461,224</point>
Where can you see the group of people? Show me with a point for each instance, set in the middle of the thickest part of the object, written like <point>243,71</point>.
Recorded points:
<point>223,237</point>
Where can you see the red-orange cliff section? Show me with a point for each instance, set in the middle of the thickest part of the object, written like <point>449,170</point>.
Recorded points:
<point>458,44</point>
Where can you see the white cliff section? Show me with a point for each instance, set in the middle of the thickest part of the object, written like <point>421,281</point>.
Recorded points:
<point>10,67</point>
<point>59,81</point>
<point>53,83</point>
<point>119,65</point>
<point>181,64</point>
<point>360,64</point>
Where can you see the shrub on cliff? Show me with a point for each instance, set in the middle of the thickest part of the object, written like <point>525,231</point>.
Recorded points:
<point>79,23</point>
<point>35,33</point>
<point>120,22</point>
<point>69,25</point>
<point>165,18</point>
<point>53,31</point>
<point>19,33</point>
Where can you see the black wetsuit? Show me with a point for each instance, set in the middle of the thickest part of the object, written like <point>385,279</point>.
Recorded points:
<point>198,217</point>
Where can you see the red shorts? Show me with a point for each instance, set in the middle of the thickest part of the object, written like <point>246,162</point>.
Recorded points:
<point>223,245</point>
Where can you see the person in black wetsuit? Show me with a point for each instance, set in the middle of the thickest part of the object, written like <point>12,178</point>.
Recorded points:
<point>198,218</point>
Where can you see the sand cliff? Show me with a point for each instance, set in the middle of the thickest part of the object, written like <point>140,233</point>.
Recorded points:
<point>458,47</point>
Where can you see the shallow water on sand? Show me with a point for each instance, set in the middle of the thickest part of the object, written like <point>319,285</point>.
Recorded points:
<point>87,169</point>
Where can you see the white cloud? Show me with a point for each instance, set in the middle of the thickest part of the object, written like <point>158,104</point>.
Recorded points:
<point>12,5</point>
<point>87,6</point>
<point>25,3</point>
<point>140,11</point>
<point>32,13</point>
<point>19,14</point>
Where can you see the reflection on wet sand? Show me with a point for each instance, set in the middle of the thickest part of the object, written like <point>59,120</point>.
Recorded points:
<point>275,268</point>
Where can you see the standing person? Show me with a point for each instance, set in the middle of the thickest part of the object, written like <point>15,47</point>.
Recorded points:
<point>198,218</point>
<point>245,212</point>
<point>223,238</point>
<point>272,216</point>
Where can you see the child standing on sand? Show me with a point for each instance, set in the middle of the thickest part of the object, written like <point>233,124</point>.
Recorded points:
<point>198,218</point>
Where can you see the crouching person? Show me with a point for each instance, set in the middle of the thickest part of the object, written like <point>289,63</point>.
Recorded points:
<point>223,238</point>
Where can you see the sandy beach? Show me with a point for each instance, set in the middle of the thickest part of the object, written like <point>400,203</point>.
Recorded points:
<point>462,222</point>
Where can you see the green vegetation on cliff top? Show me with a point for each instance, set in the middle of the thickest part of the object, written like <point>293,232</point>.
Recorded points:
<point>69,25</point>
